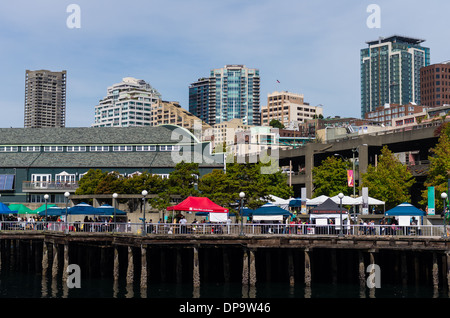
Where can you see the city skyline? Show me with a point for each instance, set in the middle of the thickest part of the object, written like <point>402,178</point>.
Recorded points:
<point>305,47</point>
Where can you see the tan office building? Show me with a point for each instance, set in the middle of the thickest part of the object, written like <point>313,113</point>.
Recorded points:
<point>288,108</point>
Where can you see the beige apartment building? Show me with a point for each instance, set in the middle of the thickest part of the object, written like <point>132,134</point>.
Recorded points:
<point>288,108</point>
<point>164,112</point>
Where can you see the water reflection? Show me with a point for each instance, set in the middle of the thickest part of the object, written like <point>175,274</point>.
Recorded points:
<point>27,285</point>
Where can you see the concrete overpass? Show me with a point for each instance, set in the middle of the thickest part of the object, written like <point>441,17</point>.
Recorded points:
<point>365,148</point>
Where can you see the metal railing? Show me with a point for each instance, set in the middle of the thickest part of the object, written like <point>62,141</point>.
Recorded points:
<point>229,229</point>
<point>49,185</point>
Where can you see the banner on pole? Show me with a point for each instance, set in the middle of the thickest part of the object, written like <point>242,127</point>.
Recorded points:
<point>350,178</point>
<point>431,207</point>
<point>303,206</point>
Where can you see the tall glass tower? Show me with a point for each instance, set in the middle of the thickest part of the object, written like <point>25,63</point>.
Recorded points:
<point>390,71</point>
<point>230,92</point>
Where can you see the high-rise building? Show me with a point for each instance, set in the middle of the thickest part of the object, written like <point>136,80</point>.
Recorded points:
<point>45,99</point>
<point>288,108</point>
<point>435,84</point>
<point>128,103</point>
<point>229,92</point>
<point>390,72</point>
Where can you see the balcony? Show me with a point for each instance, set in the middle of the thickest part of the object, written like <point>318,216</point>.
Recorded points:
<point>49,186</point>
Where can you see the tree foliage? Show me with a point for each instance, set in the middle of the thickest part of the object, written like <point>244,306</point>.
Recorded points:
<point>389,181</point>
<point>439,171</point>
<point>330,178</point>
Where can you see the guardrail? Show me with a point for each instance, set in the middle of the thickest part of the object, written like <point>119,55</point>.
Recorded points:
<point>228,229</point>
<point>49,185</point>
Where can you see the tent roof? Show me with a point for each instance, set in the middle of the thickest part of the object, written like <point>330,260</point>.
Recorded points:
<point>106,209</point>
<point>198,204</point>
<point>4,208</point>
<point>42,208</point>
<point>405,209</point>
<point>21,209</point>
<point>266,210</point>
<point>372,201</point>
<point>317,201</point>
<point>328,207</point>
<point>346,200</point>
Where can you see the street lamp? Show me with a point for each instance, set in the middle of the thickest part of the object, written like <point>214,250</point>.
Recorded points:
<point>144,194</point>
<point>242,196</point>
<point>115,195</point>
<point>66,195</point>
<point>340,196</point>
<point>46,199</point>
<point>444,198</point>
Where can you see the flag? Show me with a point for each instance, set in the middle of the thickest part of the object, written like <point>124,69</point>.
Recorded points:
<point>350,180</point>
<point>278,81</point>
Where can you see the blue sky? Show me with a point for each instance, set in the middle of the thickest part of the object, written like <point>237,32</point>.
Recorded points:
<point>311,47</point>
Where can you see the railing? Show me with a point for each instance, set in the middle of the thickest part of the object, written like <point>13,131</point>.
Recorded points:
<point>229,229</point>
<point>49,185</point>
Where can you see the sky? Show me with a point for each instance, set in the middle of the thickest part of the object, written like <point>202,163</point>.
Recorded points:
<point>311,47</point>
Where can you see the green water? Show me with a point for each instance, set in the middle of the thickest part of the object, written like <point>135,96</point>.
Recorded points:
<point>28,285</point>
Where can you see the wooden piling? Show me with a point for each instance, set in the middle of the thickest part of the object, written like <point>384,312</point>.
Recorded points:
<point>116,264</point>
<point>44,258</point>
<point>196,270</point>
<point>291,268</point>
<point>245,269</point>
<point>362,270</point>
<point>55,265</point>
<point>435,272</point>
<point>143,266</point>
<point>307,268</point>
<point>252,268</point>
<point>66,261</point>
<point>130,268</point>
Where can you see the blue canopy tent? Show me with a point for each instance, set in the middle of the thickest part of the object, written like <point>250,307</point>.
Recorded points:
<point>82,209</point>
<point>53,211</point>
<point>4,209</point>
<point>107,209</point>
<point>267,213</point>
<point>405,212</point>
<point>297,202</point>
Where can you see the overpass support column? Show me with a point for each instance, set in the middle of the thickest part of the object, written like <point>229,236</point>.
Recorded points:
<point>363,161</point>
<point>309,165</point>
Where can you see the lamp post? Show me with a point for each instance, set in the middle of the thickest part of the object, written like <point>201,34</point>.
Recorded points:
<point>144,194</point>
<point>340,196</point>
<point>115,195</point>
<point>242,196</point>
<point>46,199</point>
<point>66,198</point>
<point>444,198</point>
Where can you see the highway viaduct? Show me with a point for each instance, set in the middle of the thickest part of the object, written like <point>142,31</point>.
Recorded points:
<point>365,148</point>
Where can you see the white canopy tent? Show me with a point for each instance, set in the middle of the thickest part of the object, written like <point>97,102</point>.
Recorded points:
<point>346,200</point>
<point>317,201</point>
<point>277,201</point>
<point>372,201</point>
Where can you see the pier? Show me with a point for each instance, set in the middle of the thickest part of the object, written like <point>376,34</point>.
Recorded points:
<point>250,258</point>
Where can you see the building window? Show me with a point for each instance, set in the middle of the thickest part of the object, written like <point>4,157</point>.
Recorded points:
<point>146,148</point>
<point>122,148</point>
<point>53,148</point>
<point>99,148</point>
<point>30,148</point>
<point>76,148</point>
<point>9,149</point>
<point>169,148</point>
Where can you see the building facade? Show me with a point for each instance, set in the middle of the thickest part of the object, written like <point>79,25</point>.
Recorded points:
<point>435,84</point>
<point>128,103</point>
<point>45,99</point>
<point>387,114</point>
<point>288,108</point>
<point>35,162</point>
<point>230,92</point>
<point>164,112</point>
<point>390,72</point>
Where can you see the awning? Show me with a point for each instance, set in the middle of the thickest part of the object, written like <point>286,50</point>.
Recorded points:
<point>266,211</point>
<point>405,209</point>
<point>198,204</point>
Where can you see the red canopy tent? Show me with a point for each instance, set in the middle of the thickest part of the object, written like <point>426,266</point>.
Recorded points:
<point>202,204</point>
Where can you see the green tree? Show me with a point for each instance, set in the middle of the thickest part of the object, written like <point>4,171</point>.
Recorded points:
<point>389,181</point>
<point>276,124</point>
<point>439,171</point>
<point>183,180</point>
<point>89,183</point>
<point>330,178</point>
